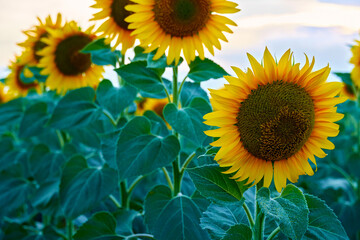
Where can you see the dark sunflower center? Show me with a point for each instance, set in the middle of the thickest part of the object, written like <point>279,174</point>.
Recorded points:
<point>182,18</point>
<point>158,109</point>
<point>68,58</point>
<point>276,120</point>
<point>39,45</point>
<point>20,83</point>
<point>119,13</point>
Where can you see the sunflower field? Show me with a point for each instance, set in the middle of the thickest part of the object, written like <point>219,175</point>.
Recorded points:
<point>272,154</point>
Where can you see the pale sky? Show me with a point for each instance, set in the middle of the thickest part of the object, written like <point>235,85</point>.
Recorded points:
<point>320,28</point>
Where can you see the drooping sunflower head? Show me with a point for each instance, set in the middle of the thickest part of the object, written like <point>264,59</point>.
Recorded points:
<point>273,118</point>
<point>180,25</point>
<point>114,27</point>
<point>355,59</point>
<point>67,68</point>
<point>16,77</point>
<point>34,42</point>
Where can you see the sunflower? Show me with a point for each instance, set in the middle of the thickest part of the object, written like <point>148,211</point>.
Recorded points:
<point>349,92</point>
<point>180,25</point>
<point>34,43</point>
<point>62,61</point>
<point>273,118</point>
<point>114,27</point>
<point>14,80</point>
<point>153,104</point>
<point>5,95</point>
<point>355,73</point>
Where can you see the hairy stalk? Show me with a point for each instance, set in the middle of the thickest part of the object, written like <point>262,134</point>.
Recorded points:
<point>167,177</point>
<point>70,228</point>
<point>248,214</point>
<point>124,195</point>
<point>133,184</point>
<point>273,234</point>
<point>113,199</point>
<point>260,217</point>
<point>61,139</point>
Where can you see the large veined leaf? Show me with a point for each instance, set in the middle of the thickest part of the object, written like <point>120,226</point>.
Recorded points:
<point>115,100</point>
<point>138,75</point>
<point>188,121</point>
<point>289,210</point>
<point>172,218</point>
<point>101,225</point>
<point>238,232</point>
<point>101,53</point>
<point>76,109</point>
<point>218,219</point>
<point>323,223</point>
<point>34,120</point>
<point>190,91</point>
<point>11,112</point>
<point>203,70</point>
<point>216,186</point>
<point>82,187</point>
<point>140,152</point>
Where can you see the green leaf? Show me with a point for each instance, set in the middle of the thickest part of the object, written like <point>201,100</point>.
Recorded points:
<point>34,120</point>
<point>138,75</point>
<point>7,151</point>
<point>101,53</point>
<point>323,223</point>
<point>203,70</point>
<point>44,164</point>
<point>101,225</point>
<point>161,62</point>
<point>139,152</point>
<point>216,186</point>
<point>11,112</point>
<point>158,126</point>
<point>289,210</point>
<point>14,192</point>
<point>76,109</point>
<point>345,78</point>
<point>79,183</point>
<point>159,95</point>
<point>218,219</point>
<point>113,99</point>
<point>108,147</point>
<point>45,193</point>
<point>172,218</point>
<point>238,232</point>
<point>187,121</point>
<point>190,91</point>
<point>124,219</point>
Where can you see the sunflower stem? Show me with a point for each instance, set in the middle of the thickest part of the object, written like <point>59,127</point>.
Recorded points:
<point>166,174</point>
<point>166,91</point>
<point>175,86</point>
<point>177,177</point>
<point>124,195</point>
<point>182,84</point>
<point>134,183</point>
<point>273,233</point>
<point>248,214</point>
<point>186,163</point>
<point>113,199</point>
<point>61,139</point>
<point>260,217</point>
<point>70,228</point>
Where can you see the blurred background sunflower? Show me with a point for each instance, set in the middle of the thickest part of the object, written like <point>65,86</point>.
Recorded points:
<point>62,60</point>
<point>34,42</point>
<point>16,80</point>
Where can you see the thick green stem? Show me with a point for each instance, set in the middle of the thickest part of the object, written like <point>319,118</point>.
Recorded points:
<point>175,86</point>
<point>273,234</point>
<point>260,217</point>
<point>124,195</point>
<point>167,177</point>
<point>248,214</point>
<point>177,177</point>
<point>70,228</point>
